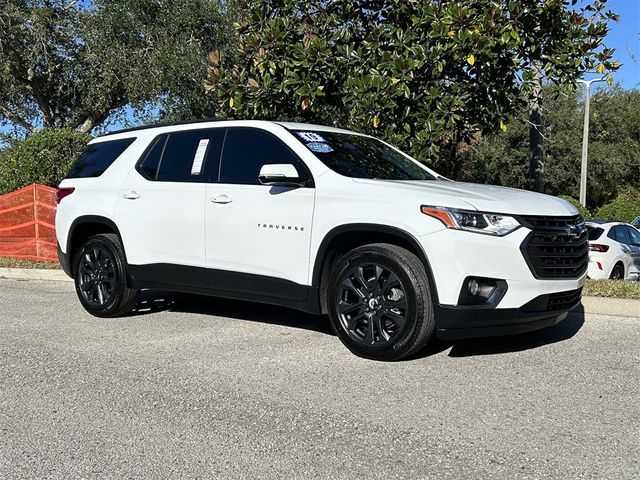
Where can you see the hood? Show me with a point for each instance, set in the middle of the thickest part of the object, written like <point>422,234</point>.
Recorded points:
<point>485,198</point>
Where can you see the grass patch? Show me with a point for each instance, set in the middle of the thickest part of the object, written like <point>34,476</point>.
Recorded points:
<point>612,288</point>
<point>18,263</point>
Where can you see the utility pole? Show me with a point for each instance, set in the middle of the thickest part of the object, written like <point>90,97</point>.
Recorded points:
<point>585,139</point>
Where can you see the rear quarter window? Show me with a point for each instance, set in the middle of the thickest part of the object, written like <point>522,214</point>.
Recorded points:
<point>594,232</point>
<point>97,157</point>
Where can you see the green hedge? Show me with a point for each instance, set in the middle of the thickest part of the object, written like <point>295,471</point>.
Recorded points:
<point>586,214</point>
<point>45,157</point>
<point>624,208</point>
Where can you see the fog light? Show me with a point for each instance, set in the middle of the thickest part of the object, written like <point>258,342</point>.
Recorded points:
<point>474,287</point>
<point>482,291</point>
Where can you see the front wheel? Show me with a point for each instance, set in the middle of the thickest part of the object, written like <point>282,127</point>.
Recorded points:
<point>379,302</point>
<point>101,277</point>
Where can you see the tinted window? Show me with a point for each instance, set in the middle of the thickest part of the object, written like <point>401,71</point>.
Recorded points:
<point>620,234</point>
<point>189,156</point>
<point>594,232</point>
<point>97,157</point>
<point>358,156</point>
<point>634,235</point>
<point>149,165</point>
<point>246,150</point>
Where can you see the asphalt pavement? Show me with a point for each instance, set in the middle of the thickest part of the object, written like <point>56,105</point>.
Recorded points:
<point>192,387</point>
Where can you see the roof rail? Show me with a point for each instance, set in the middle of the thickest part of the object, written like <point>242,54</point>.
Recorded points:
<point>164,124</point>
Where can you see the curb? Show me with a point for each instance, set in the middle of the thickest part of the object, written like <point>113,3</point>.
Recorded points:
<point>34,274</point>
<point>621,307</point>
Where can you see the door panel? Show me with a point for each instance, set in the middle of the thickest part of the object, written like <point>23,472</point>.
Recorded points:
<point>261,230</point>
<point>161,209</point>
<point>635,250</point>
<point>164,224</point>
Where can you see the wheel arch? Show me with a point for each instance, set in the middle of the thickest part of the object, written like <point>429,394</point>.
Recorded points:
<point>87,225</point>
<point>344,238</point>
<point>619,261</point>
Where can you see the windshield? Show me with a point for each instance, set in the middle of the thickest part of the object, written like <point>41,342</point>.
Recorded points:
<point>357,156</point>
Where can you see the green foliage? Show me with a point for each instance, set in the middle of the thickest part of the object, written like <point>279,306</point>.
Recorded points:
<point>624,208</point>
<point>419,74</point>
<point>583,211</point>
<point>614,146</point>
<point>44,158</point>
<point>73,64</point>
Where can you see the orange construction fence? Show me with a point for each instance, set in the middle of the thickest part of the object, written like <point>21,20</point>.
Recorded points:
<point>27,223</point>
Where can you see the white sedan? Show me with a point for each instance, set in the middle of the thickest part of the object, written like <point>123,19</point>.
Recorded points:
<point>614,251</point>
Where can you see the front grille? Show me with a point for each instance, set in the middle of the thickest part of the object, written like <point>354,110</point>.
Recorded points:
<point>557,247</point>
<point>564,300</point>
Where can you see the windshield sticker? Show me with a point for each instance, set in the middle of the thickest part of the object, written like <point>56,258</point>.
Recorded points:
<point>319,147</point>
<point>311,137</point>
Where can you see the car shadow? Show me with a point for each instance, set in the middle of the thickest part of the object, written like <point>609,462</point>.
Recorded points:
<point>526,341</point>
<point>152,301</point>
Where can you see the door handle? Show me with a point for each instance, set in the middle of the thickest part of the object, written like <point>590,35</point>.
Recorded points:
<point>131,195</point>
<point>222,198</point>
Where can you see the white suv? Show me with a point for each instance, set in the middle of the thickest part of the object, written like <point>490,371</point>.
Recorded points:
<point>319,219</point>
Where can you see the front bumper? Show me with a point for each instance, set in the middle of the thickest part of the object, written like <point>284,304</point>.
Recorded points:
<point>454,256</point>
<point>455,322</point>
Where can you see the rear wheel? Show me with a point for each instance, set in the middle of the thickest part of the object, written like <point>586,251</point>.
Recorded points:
<point>379,302</point>
<point>101,277</point>
<point>618,272</point>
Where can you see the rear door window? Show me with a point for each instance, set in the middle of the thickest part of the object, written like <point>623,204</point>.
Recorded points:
<point>186,156</point>
<point>634,235</point>
<point>189,156</point>
<point>97,157</point>
<point>620,234</point>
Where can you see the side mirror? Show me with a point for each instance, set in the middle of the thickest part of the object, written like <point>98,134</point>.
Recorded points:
<point>281,174</point>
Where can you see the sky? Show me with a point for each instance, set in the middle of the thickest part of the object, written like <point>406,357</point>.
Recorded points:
<point>624,37</point>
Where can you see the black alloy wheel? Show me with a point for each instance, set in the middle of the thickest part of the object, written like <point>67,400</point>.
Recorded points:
<point>618,272</point>
<point>379,302</point>
<point>372,305</point>
<point>101,277</point>
<point>97,276</point>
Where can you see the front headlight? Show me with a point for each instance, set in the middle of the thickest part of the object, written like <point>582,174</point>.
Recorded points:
<point>479,222</point>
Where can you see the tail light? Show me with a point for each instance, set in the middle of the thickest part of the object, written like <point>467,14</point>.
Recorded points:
<point>596,247</point>
<point>63,192</point>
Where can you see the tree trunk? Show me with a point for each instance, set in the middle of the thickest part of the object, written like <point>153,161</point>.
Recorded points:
<point>536,139</point>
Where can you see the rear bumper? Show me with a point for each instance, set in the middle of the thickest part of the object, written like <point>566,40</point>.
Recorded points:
<point>65,261</point>
<point>455,322</point>
<point>597,272</point>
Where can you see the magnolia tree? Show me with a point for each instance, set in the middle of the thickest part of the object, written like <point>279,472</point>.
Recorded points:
<point>421,74</point>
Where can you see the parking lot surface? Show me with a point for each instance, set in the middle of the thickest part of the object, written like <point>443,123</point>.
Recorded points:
<point>205,388</point>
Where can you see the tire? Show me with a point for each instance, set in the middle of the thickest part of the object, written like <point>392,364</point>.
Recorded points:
<point>379,302</point>
<point>101,277</point>
<point>618,272</point>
